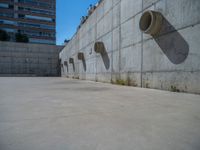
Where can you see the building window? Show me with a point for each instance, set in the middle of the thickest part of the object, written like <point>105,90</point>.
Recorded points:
<point>37,33</point>
<point>21,16</point>
<point>6,15</point>
<point>2,5</point>
<point>43,41</point>
<point>39,18</point>
<point>39,11</point>
<point>11,6</point>
<point>7,22</point>
<point>7,6</point>
<point>8,30</point>
<point>35,2</point>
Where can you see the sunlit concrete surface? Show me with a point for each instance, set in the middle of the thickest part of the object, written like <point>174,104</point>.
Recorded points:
<point>64,114</point>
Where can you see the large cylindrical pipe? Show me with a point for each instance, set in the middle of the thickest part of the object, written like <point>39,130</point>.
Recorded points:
<point>71,60</point>
<point>80,56</point>
<point>99,47</point>
<point>65,63</point>
<point>151,22</point>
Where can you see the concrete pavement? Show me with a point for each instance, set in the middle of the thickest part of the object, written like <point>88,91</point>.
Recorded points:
<point>65,114</point>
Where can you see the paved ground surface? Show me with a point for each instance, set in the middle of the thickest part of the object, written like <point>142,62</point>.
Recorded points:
<point>63,114</point>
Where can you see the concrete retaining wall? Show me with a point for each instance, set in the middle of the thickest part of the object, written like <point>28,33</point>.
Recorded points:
<point>20,59</point>
<point>170,61</point>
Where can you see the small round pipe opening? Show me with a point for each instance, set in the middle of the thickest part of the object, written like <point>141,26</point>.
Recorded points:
<point>151,22</point>
<point>99,47</point>
<point>71,60</point>
<point>146,21</point>
<point>66,64</point>
<point>80,56</point>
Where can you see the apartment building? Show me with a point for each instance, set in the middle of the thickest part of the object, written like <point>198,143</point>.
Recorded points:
<point>35,18</point>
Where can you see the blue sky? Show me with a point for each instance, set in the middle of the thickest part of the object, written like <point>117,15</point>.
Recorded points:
<point>68,13</point>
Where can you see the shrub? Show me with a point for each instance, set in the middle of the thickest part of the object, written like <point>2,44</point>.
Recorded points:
<point>4,36</point>
<point>21,38</point>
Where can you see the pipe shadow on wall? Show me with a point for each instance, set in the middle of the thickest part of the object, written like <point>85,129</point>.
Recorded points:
<point>59,67</point>
<point>82,58</point>
<point>106,60</point>
<point>71,61</point>
<point>84,64</point>
<point>66,64</point>
<point>100,48</point>
<point>174,46</point>
<point>62,69</point>
<point>73,67</point>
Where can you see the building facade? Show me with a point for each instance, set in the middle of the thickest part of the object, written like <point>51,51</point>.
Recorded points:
<point>35,18</point>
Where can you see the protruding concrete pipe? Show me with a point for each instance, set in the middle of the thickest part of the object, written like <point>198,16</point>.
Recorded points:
<point>151,22</point>
<point>80,56</point>
<point>99,47</point>
<point>71,60</point>
<point>65,63</point>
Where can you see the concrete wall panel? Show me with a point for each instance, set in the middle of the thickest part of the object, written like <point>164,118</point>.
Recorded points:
<point>168,61</point>
<point>29,59</point>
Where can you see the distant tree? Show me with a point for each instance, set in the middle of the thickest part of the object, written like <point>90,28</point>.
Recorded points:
<point>66,41</point>
<point>21,38</point>
<point>4,36</point>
